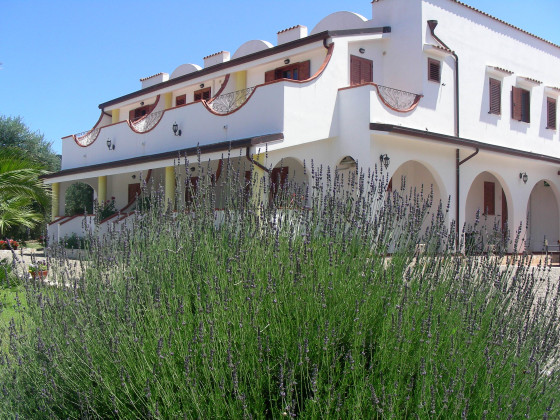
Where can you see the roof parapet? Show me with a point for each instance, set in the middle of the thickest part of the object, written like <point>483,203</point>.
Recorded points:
<point>291,34</point>
<point>216,58</point>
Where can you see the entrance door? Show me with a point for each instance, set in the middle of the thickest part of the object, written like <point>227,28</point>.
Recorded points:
<point>133,192</point>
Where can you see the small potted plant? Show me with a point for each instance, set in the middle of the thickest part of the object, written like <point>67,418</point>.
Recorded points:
<point>39,270</point>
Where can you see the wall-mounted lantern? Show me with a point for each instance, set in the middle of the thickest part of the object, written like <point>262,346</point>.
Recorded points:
<point>385,160</point>
<point>287,61</point>
<point>110,144</point>
<point>362,50</point>
<point>524,177</point>
<point>176,130</point>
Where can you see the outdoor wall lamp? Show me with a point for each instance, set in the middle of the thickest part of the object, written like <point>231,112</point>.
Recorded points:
<point>524,177</point>
<point>201,85</point>
<point>287,61</point>
<point>176,130</point>
<point>110,144</point>
<point>385,160</point>
<point>362,50</point>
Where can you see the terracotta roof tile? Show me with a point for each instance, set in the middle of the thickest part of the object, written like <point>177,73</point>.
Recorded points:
<point>149,77</point>
<point>212,55</point>
<point>289,29</point>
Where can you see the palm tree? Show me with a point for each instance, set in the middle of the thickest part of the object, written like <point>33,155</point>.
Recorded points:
<point>20,188</point>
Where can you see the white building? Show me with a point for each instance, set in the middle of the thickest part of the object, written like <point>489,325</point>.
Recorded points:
<point>454,97</point>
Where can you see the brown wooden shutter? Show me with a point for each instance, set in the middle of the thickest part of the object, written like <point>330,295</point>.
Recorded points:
<point>516,103</point>
<point>489,198</point>
<point>180,100</point>
<point>354,71</point>
<point>269,76</point>
<point>551,113</point>
<point>304,68</point>
<point>434,70</point>
<point>495,97</point>
<point>131,115</point>
<point>361,70</point>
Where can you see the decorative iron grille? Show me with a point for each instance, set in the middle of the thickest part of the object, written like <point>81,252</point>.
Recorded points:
<point>148,122</point>
<point>85,138</point>
<point>229,102</point>
<point>398,99</point>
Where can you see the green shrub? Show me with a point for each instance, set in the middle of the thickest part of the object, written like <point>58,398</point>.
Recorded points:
<point>74,241</point>
<point>267,313</point>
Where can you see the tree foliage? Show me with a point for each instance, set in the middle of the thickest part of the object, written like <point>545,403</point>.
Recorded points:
<point>22,194</point>
<point>79,198</point>
<point>15,134</point>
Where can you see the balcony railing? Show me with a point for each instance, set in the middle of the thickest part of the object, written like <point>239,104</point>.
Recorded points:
<point>229,102</point>
<point>148,122</point>
<point>87,137</point>
<point>398,100</point>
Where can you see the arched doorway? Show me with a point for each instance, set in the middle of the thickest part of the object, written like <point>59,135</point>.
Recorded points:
<point>421,187</point>
<point>288,183</point>
<point>486,214</point>
<point>542,217</point>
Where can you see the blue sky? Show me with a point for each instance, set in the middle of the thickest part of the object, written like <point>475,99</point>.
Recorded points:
<point>63,58</point>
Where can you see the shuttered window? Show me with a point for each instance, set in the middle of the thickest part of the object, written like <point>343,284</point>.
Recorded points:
<point>138,113</point>
<point>520,104</point>
<point>489,198</point>
<point>180,100</point>
<point>551,113</point>
<point>495,97</point>
<point>202,94</point>
<point>434,70</point>
<point>295,71</point>
<point>361,70</point>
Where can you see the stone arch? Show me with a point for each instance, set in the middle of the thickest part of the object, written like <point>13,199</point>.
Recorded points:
<point>421,176</point>
<point>488,212</point>
<point>77,197</point>
<point>543,216</point>
<point>289,181</point>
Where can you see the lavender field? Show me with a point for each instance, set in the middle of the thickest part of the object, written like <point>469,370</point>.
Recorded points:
<point>320,305</point>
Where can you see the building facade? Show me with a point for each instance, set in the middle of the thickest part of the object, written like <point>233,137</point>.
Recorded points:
<point>456,99</point>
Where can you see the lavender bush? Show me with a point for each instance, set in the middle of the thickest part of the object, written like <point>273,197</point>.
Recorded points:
<point>287,310</point>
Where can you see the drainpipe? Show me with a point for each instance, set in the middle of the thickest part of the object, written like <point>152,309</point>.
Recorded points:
<point>432,26</point>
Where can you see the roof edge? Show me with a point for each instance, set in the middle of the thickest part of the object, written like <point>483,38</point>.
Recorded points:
<point>245,59</point>
<point>460,141</point>
<point>207,148</point>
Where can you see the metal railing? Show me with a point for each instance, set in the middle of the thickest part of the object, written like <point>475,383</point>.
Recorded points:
<point>398,99</point>
<point>229,102</point>
<point>148,122</point>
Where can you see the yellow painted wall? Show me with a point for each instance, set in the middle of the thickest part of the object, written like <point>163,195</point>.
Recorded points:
<point>168,100</point>
<point>101,189</point>
<point>259,176</point>
<point>170,186</point>
<point>241,80</point>
<point>55,200</point>
<point>115,115</point>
